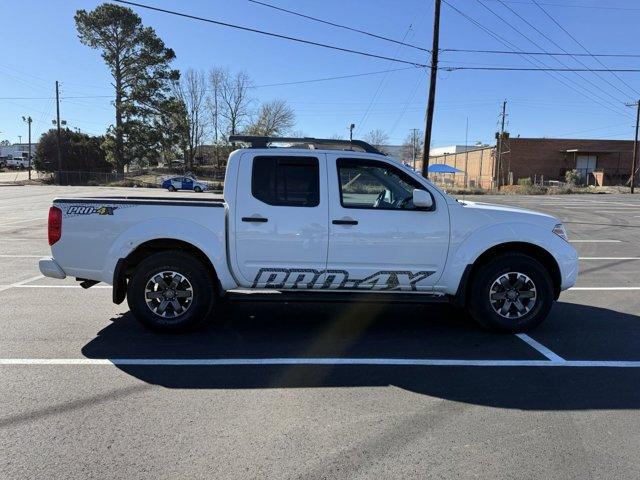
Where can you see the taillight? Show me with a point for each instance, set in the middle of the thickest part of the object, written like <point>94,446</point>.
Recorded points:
<point>55,225</point>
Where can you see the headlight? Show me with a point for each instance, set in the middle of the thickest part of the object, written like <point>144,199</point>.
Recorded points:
<point>560,231</point>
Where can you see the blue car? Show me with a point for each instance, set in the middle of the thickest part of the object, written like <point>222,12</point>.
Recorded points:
<point>183,183</point>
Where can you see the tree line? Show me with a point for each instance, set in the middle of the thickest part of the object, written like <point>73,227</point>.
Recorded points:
<point>161,114</point>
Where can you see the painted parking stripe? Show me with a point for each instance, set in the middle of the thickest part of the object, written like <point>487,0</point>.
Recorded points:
<point>594,241</point>
<point>540,348</point>
<point>428,362</point>
<point>20,283</point>
<point>605,288</point>
<point>22,256</point>
<point>22,221</point>
<point>608,258</point>
<point>61,286</point>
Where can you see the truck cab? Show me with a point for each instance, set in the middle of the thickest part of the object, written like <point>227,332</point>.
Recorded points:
<point>333,220</point>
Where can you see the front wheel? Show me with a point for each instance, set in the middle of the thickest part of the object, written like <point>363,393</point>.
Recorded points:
<point>172,188</point>
<point>511,293</point>
<point>197,189</point>
<point>170,291</point>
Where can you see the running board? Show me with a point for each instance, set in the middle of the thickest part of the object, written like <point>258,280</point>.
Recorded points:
<point>333,297</point>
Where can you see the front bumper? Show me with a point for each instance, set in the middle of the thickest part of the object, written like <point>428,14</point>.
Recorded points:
<point>568,263</point>
<point>50,268</point>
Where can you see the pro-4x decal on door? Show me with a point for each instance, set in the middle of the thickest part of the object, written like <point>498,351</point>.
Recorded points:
<point>301,278</point>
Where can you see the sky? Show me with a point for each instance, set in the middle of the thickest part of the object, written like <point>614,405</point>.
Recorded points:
<point>40,46</point>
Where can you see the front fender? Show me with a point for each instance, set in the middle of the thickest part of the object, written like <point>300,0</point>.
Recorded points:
<point>467,251</point>
<point>211,243</point>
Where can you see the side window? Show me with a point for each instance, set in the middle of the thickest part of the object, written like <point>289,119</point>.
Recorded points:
<point>286,181</point>
<point>371,184</point>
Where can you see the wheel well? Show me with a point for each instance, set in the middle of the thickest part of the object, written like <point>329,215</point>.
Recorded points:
<point>126,266</point>
<point>534,251</point>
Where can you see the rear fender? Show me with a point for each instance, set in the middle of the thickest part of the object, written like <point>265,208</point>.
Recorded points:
<point>211,243</point>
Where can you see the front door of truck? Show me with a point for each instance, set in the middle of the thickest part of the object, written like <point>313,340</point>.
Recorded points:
<point>281,220</point>
<point>377,239</point>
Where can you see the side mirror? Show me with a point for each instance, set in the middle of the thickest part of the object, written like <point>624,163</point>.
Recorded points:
<point>422,199</point>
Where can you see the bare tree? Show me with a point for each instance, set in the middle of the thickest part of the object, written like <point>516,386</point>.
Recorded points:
<point>234,103</point>
<point>274,118</point>
<point>378,138</point>
<point>412,147</point>
<point>192,92</point>
<point>216,77</point>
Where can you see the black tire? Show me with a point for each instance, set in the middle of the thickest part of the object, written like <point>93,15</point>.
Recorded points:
<point>172,188</point>
<point>197,189</point>
<point>193,308</point>
<point>487,310</point>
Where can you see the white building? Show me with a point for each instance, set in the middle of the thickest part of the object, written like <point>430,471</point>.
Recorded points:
<point>437,151</point>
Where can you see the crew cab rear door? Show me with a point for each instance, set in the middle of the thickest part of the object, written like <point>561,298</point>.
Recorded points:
<point>377,239</point>
<point>281,220</point>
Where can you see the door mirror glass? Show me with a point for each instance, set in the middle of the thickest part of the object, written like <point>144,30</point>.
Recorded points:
<point>422,199</point>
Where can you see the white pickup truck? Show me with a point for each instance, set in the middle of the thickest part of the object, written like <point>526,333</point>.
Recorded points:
<point>324,217</point>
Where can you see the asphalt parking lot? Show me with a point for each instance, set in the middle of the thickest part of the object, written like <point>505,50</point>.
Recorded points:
<point>307,390</point>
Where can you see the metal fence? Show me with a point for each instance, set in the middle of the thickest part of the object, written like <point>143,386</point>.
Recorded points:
<point>151,177</point>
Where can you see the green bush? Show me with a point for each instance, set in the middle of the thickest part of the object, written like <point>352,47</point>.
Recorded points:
<point>572,177</point>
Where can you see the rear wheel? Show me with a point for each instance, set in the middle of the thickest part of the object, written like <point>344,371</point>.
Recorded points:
<point>511,293</point>
<point>172,188</point>
<point>170,291</point>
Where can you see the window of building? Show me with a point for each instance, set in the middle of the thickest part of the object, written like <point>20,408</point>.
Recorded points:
<point>286,181</point>
<point>371,184</point>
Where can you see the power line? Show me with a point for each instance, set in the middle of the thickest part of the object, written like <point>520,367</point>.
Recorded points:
<point>325,79</point>
<point>544,69</point>
<point>562,80</point>
<point>551,54</point>
<point>565,5</point>
<point>381,84</point>
<point>47,98</point>
<point>561,48</point>
<point>582,46</point>
<point>270,34</point>
<point>326,22</point>
<point>599,89</point>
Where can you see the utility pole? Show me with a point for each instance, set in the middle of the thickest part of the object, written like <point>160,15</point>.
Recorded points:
<point>635,149</point>
<point>58,137</point>
<point>29,120</point>
<point>500,140</point>
<point>466,153</point>
<point>351,127</point>
<point>414,145</point>
<point>432,89</point>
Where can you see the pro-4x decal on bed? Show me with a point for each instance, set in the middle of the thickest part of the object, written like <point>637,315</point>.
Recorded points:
<point>75,210</point>
<point>304,278</point>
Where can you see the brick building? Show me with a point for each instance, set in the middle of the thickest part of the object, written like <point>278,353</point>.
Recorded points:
<point>605,162</point>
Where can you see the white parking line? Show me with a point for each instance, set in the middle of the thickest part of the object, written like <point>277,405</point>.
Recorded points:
<point>22,221</point>
<point>426,362</point>
<point>604,288</point>
<point>22,256</point>
<point>60,286</point>
<point>19,284</point>
<point>608,258</point>
<point>594,241</point>
<point>540,348</point>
